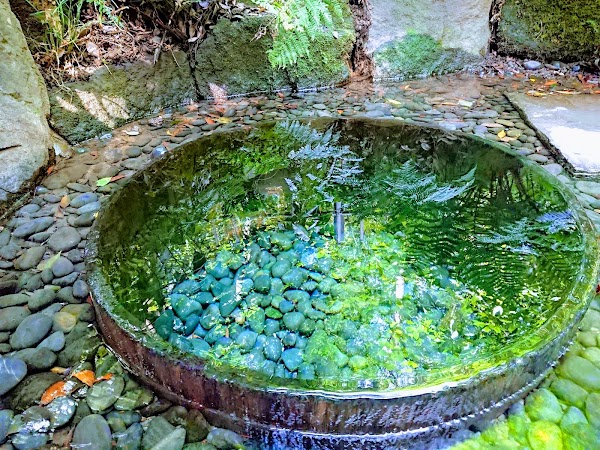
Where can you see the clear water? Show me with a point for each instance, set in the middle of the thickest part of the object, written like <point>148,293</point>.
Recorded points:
<point>453,255</point>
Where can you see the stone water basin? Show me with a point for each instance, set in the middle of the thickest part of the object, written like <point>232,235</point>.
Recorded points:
<point>342,283</point>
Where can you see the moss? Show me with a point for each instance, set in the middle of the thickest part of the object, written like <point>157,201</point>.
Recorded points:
<point>116,95</point>
<point>419,55</point>
<point>232,58</point>
<point>550,29</point>
<point>327,62</point>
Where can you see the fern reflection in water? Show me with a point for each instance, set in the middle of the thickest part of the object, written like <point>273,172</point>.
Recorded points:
<point>454,251</point>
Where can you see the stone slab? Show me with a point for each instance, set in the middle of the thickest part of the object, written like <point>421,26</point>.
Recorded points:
<point>569,124</point>
<point>24,133</point>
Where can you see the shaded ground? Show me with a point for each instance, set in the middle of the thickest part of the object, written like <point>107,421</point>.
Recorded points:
<point>47,332</point>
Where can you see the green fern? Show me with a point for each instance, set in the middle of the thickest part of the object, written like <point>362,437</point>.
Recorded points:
<point>295,25</point>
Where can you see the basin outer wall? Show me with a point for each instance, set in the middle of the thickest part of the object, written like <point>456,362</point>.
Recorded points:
<point>329,420</point>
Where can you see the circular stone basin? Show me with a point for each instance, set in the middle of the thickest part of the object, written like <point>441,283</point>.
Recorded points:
<point>342,283</point>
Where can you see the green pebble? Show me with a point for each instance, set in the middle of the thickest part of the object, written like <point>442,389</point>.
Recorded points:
<point>581,371</point>
<point>580,436</point>
<point>282,241</point>
<point>273,348</point>
<point>277,286</point>
<point>262,283</point>
<point>544,435</point>
<point>293,320</point>
<point>184,307</point>
<point>307,327</point>
<point>358,362</point>
<point>164,324</point>
<point>272,313</point>
<point>280,268</point>
<point>293,278</point>
<point>296,296</point>
<point>592,409</point>
<point>592,354</point>
<point>292,358</point>
<point>217,269</point>
<point>256,320</point>
<point>246,339</point>
<point>569,392</point>
<point>572,415</point>
<point>326,285</point>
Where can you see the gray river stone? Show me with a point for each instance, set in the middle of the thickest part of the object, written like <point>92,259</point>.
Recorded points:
<point>30,258</point>
<point>12,371</point>
<point>104,394</point>
<point>13,300</point>
<point>62,410</point>
<point>40,299</point>
<point>11,317</point>
<point>83,199</point>
<point>64,239</point>
<point>33,226</point>
<point>92,432</point>
<point>31,331</point>
<point>54,342</point>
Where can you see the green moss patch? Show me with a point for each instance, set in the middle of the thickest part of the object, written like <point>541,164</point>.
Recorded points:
<point>419,55</point>
<point>550,29</point>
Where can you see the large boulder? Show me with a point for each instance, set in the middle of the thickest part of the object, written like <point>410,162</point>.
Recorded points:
<point>234,60</point>
<point>24,133</point>
<point>115,95</point>
<point>550,29</point>
<point>417,38</point>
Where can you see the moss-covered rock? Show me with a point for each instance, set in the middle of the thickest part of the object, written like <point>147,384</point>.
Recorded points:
<point>550,29</point>
<point>232,58</point>
<point>411,38</point>
<point>326,64</point>
<point>543,405</point>
<point>418,55</point>
<point>116,95</point>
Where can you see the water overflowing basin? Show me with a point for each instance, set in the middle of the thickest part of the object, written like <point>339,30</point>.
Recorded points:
<point>342,283</point>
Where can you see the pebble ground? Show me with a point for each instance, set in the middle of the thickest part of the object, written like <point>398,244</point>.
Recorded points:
<point>48,337</point>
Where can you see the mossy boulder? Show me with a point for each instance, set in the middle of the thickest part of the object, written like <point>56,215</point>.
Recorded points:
<point>550,29</point>
<point>116,95</point>
<point>544,435</point>
<point>414,38</point>
<point>419,56</point>
<point>543,405</point>
<point>233,59</point>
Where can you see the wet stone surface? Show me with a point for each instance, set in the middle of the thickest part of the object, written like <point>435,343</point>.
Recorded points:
<point>564,413</point>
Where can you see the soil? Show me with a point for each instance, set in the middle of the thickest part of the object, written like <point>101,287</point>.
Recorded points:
<point>99,44</point>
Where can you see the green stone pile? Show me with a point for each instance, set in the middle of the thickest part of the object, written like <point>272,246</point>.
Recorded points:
<point>287,303</point>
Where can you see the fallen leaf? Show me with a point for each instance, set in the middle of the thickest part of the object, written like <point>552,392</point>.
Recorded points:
<point>103,181</point>
<point>86,376</point>
<point>340,111</point>
<point>209,120</point>
<point>92,49</point>
<point>64,202</point>
<point>224,120</point>
<point>117,177</point>
<point>568,92</point>
<point>501,134</point>
<point>391,101</point>
<point>107,376</point>
<point>54,391</point>
<point>49,170</point>
<point>48,263</point>
<point>550,83</point>
<point>59,370</point>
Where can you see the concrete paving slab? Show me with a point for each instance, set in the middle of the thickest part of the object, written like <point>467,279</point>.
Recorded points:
<point>568,124</point>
